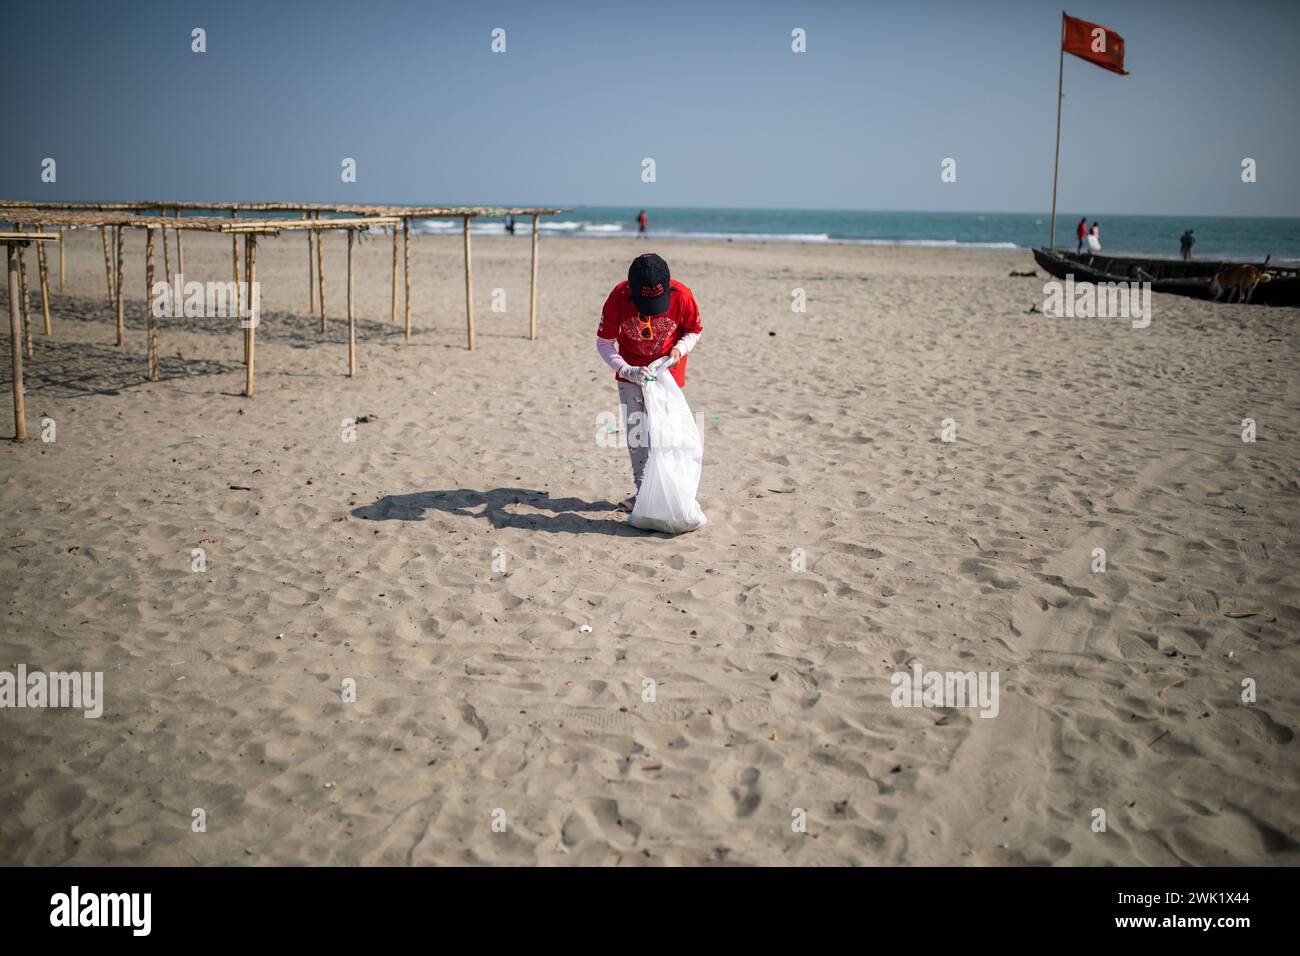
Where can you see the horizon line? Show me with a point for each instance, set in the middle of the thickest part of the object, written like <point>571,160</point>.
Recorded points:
<point>832,209</point>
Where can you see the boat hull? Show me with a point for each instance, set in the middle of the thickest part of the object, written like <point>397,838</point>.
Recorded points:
<point>1171,276</point>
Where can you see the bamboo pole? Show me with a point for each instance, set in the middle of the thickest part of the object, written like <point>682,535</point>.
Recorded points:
<point>311,269</point>
<point>15,341</point>
<point>108,265</point>
<point>242,317</point>
<point>234,265</point>
<point>167,259</point>
<point>250,341</point>
<point>406,270</point>
<point>27,312</point>
<point>180,246</point>
<point>469,289</point>
<point>121,314</point>
<point>352,325</point>
<point>60,258</point>
<point>45,284</point>
<point>394,308</point>
<point>320,271</point>
<point>150,319</point>
<point>532,300</point>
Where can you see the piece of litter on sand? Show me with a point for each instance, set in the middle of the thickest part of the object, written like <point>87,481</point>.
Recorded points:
<point>585,629</point>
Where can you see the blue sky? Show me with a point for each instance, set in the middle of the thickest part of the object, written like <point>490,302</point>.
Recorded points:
<point>710,90</point>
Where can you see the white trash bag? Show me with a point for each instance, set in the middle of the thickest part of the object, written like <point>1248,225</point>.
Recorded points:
<point>666,501</point>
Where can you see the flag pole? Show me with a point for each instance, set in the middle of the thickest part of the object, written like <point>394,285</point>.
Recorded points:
<point>1056,164</point>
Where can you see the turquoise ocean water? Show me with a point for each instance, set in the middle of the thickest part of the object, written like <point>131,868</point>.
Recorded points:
<point>1217,237</point>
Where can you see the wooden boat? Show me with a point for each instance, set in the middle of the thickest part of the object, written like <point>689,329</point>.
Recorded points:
<point>1173,276</point>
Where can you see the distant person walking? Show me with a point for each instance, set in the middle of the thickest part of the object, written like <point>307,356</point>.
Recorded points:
<point>640,223</point>
<point>510,224</point>
<point>1081,233</point>
<point>1185,243</point>
<point>1094,238</point>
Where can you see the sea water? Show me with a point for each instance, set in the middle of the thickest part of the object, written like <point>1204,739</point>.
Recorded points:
<point>1217,237</point>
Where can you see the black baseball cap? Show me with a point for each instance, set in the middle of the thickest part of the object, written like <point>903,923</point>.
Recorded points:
<point>649,284</point>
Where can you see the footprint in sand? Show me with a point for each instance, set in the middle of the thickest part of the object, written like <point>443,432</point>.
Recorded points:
<point>667,711</point>
<point>745,795</point>
<point>471,717</point>
<point>857,550</point>
<point>613,825</point>
<point>603,718</point>
<point>1135,648</point>
<point>1057,581</point>
<point>982,573</point>
<point>1254,550</point>
<point>1259,725</point>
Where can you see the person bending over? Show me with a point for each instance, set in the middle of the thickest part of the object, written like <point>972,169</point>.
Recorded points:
<point>648,316</point>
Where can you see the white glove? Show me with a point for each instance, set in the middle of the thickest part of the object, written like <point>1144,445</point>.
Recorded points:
<point>636,374</point>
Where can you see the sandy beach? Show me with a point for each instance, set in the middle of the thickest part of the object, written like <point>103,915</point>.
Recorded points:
<point>448,559</point>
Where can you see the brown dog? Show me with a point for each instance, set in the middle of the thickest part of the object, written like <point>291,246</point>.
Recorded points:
<point>1238,280</point>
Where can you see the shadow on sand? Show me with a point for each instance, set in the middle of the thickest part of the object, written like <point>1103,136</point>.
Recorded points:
<point>73,369</point>
<point>494,506</point>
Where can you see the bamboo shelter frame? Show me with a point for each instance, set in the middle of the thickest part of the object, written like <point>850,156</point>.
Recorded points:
<point>112,218</point>
<point>115,222</point>
<point>404,213</point>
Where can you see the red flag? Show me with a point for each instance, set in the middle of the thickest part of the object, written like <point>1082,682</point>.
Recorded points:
<point>1094,43</point>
